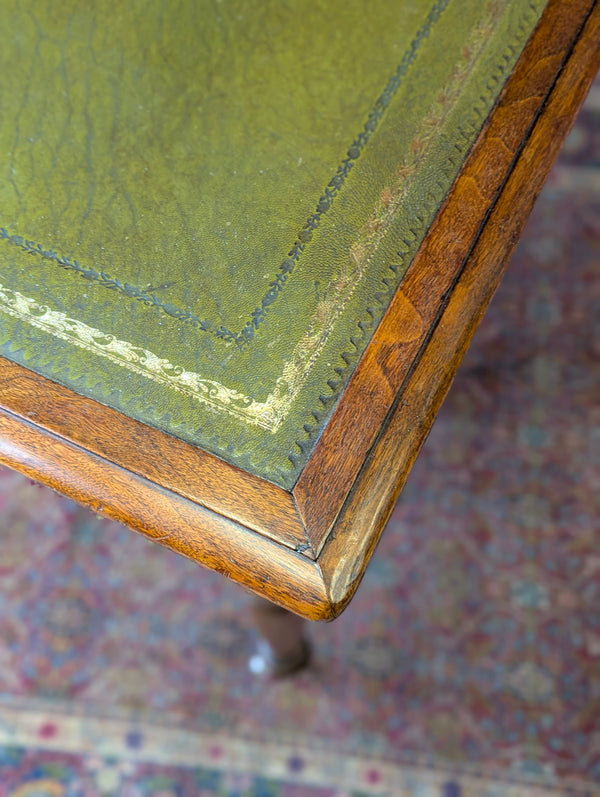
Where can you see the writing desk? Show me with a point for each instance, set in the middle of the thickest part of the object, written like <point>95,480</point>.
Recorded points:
<point>242,362</point>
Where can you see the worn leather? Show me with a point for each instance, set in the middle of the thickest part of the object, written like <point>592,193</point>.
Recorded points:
<point>203,202</point>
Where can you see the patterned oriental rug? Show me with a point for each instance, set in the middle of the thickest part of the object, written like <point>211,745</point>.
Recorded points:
<point>468,664</point>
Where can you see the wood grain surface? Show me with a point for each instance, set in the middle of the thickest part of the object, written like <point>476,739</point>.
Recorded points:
<point>307,549</point>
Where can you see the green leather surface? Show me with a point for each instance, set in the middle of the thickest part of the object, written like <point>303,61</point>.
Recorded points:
<point>203,203</point>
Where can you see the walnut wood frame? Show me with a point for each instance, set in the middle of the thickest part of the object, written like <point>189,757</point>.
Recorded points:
<point>307,549</point>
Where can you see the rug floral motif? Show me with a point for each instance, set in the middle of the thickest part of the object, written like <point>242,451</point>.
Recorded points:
<point>467,666</point>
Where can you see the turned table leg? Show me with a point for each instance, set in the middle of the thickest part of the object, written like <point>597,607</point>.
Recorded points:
<point>283,647</point>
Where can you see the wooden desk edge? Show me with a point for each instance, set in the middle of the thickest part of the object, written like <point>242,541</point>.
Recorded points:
<point>262,565</point>
<point>366,511</point>
<point>165,460</point>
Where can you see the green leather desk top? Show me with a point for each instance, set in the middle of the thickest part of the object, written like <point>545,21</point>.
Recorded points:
<point>207,205</point>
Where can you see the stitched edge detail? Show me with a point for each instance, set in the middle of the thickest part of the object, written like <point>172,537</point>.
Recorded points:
<point>429,206</point>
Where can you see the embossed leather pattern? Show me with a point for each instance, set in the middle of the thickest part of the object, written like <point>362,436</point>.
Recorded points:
<point>205,207</point>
